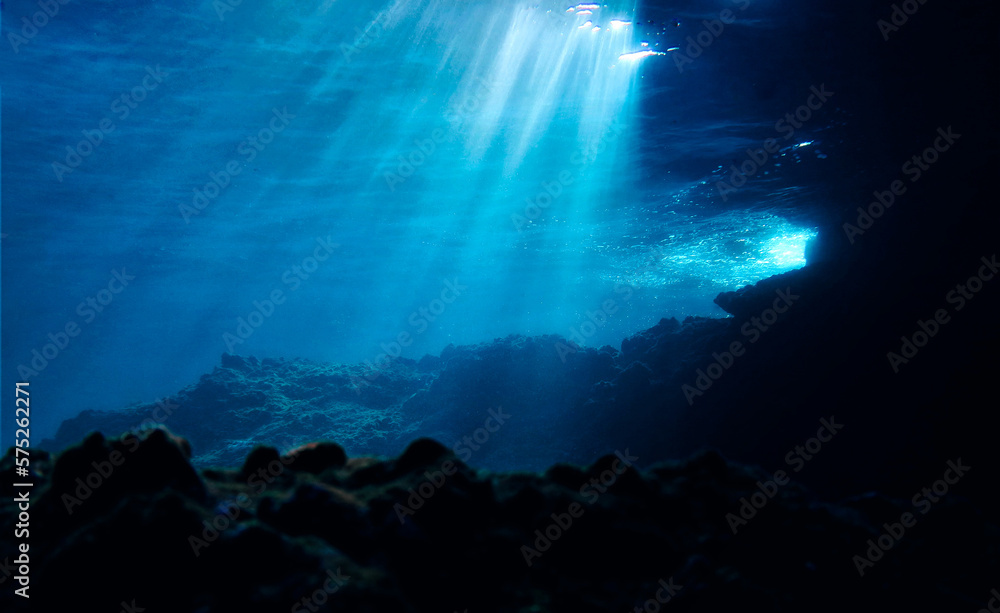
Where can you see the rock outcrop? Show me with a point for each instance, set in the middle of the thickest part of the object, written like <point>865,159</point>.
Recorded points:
<point>131,521</point>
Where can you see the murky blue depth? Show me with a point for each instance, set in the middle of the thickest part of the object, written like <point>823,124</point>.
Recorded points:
<point>349,181</point>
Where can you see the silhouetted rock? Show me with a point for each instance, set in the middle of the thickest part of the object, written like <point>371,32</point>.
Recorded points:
<point>423,532</point>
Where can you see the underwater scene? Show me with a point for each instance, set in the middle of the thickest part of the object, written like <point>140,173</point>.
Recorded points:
<point>459,305</point>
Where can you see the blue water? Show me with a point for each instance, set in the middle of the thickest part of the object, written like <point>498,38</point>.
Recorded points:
<point>326,180</point>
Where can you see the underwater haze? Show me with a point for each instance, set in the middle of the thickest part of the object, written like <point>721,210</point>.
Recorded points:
<point>356,181</point>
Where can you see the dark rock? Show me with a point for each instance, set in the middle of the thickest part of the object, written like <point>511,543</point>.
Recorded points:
<point>755,299</point>
<point>235,362</point>
<point>260,459</point>
<point>421,454</point>
<point>317,457</point>
<point>391,531</point>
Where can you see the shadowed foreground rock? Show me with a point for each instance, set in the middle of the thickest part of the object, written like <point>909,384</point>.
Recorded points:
<point>131,521</point>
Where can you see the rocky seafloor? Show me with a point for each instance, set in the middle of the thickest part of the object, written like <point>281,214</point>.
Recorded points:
<point>808,476</point>
<point>130,524</point>
<point>525,403</point>
<point>908,484</point>
<point>890,499</point>
<point>531,384</point>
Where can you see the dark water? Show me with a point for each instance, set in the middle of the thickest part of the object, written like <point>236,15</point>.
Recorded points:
<point>337,180</point>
